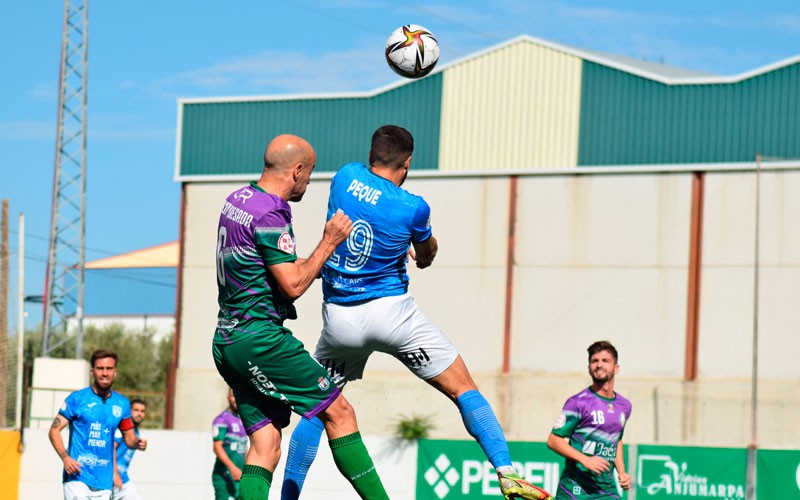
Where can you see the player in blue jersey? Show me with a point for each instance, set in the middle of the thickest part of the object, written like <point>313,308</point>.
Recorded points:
<point>367,306</point>
<point>588,433</point>
<point>124,488</point>
<point>93,415</point>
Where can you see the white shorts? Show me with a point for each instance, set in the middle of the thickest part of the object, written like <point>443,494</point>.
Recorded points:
<point>393,325</point>
<point>76,490</point>
<point>127,492</point>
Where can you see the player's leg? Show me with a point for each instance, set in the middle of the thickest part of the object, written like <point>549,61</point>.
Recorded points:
<point>349,453</point>
<point>340,350</point>
<point>260,462</point>
<point>302,451</point>
<point>427,352</point>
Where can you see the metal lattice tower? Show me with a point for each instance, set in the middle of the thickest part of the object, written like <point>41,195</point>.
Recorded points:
<point>63,302</point>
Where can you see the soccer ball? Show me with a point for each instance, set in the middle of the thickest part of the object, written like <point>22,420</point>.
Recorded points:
<point>412,51</point>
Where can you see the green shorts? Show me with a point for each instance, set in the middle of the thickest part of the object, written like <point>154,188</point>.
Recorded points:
<point>225,488</point>
<point>271,375</point>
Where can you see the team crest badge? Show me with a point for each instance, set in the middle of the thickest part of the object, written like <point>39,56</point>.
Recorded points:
<point>286,243</point>
<point>560,421</point>
<point>116,410</point>
<point>323,383</point>
<point>622,419</point>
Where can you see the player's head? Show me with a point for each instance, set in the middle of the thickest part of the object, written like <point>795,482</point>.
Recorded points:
<point>138,411</point>
<point>232,406</point>
<point>602,361</point>
<point>104,368</point>
<point>291,159</point>
<point>392,147</point>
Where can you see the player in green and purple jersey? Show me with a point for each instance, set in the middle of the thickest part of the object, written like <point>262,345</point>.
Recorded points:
<point>258,278</point>
<point>593,422</point>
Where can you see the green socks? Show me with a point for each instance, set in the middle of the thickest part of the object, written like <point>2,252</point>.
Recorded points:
<point>353,461</point>
<point>255,483</point>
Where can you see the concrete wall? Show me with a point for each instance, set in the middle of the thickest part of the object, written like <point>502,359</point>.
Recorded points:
<point>598,256</point>
<point>178,464</point>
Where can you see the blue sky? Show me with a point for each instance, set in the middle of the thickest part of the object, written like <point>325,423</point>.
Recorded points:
<point>145,55</point>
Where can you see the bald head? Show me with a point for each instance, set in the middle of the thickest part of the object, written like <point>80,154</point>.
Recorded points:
<point>286,151</point>
<point>288,162</point>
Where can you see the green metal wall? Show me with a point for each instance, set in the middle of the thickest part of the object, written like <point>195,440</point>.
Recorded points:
<point>627,119</point>
<point>228,138</point>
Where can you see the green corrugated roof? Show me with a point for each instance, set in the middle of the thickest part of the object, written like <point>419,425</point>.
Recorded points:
<point>629,119</point>
<point>228,137</point>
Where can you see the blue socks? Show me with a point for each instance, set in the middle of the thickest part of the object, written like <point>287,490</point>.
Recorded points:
<point>482,424</point>
<point>302,450</point>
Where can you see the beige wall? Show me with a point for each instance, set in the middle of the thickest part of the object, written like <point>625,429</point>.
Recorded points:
<point>597,256</point>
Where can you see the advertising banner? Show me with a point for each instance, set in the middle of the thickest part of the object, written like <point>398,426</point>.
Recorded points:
<point>669,472</point>
<point>458,469</point>
<point>778,474</point>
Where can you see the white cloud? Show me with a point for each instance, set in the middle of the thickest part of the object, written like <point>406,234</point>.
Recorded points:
<point>283,72</point>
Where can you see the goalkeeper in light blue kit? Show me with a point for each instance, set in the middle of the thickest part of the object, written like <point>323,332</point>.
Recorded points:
<point>367,306</point>
<point>588,433</point>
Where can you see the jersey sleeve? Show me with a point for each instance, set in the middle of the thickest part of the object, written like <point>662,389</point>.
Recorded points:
<point>274,238</point>
<point>118,437</point>
<point>421,223</point>
<point>69,407</point>
<point>219,429</point>
<point>568,420</point>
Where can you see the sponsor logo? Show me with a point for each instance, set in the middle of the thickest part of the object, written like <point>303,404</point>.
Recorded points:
<point>286,243</point>
<point>116,410</point>
<point>415,359</point>
<point>561,419</point>
<point>610,408</point>
<point>797,476</point>
<point>243,195</point>
<point>262,382</point>
<point>92,404</point>
<point>660,474</point>
<point>475,478</point>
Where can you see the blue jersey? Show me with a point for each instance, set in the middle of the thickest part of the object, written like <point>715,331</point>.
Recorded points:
<point>371,262</point>
<point>92,423</point>
<point>124,455</point>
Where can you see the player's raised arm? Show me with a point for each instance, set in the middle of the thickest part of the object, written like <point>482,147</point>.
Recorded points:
<point>71,465</point>
<point>294,278</point>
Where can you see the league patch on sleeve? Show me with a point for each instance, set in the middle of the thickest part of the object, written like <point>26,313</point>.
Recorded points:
<point>286,243</point>
<point>560,421</point>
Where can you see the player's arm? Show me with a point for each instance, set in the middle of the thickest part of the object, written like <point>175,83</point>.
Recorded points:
<point>294,278</point>
<point>592,463</point>
<point>425,252</point>
<point>619,463</point>
<point>132,441</point>
<point>219,451</point>
<point>117,477</point>
<point>71,465</point>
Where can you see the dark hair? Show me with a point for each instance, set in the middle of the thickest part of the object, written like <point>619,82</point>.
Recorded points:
<point>102,354</point>
<point>391,145</point>
<point>138,401</point>
<point>602,345</point>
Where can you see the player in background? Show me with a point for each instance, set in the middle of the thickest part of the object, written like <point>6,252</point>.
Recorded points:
<point>367,306</point>
<point>258,278</point>
<point>230,446</point>
<point>93,415</point>
<point>588,433</point>
<point>124,489</point>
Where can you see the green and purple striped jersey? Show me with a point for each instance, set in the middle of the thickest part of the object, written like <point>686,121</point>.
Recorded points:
<point>254,232</point>
<point>594,426</point>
